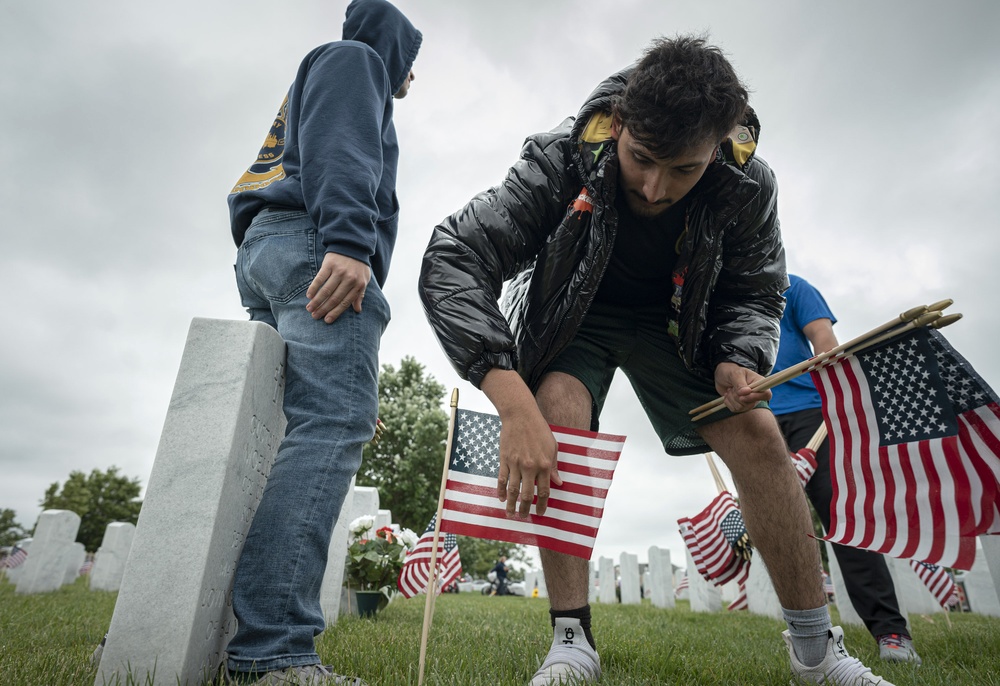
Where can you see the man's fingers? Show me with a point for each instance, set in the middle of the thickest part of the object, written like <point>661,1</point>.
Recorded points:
<point>543,494</point>
<point>502,481</point>
<point>527,495</point>
<point>513,491</point>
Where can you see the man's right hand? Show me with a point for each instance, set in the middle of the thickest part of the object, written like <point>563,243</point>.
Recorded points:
<point>527,447</point>
<point>339,284</point>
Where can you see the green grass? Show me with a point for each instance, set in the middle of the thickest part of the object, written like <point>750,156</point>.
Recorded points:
<point>45,640</point>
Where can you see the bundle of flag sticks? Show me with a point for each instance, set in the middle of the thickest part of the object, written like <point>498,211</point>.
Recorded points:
<point>924,315</point>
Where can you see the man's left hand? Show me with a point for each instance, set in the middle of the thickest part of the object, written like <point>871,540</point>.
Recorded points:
<point>733,383</point>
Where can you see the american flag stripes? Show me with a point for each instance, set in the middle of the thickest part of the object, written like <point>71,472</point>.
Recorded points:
<point>804,461</point>
<point>740,603</point>
<point>586,463</point>
<point>87,565</point>
<point>684,584</point>
<point>915,450</point>
<point>718,541</point>
<point>16,558</point>
<point>416,569</point>
<point>937,579</point>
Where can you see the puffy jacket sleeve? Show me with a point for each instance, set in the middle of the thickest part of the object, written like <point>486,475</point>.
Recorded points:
<point>474,251</point>
<point>745,311</point>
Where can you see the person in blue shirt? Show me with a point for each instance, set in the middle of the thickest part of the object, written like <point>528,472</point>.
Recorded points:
<point>806,331</point>
<point>315,220</point>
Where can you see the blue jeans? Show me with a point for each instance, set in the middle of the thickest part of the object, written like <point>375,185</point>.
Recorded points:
<point>331,404</point>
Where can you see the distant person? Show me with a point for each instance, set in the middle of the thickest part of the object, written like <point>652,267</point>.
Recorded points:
<point>315,220</point>
<point>500,569</point>
<point>641,236</point>
<point>807,331</point>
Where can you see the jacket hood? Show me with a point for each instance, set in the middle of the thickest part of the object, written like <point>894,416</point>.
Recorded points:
<point>383,28</point>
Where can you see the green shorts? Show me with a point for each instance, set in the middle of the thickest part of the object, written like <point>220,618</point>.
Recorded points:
<point>636,341</point>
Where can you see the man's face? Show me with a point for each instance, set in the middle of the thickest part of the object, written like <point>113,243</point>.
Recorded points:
<point>405,88</point>
<point>651,184</point>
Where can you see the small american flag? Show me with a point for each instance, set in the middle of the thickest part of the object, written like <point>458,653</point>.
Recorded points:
<point>586,463</point>
<point>16,558</point>
<point>937,579</point>
<point>414,575</point>
<point>827,583</point>
<point>683,585</point>
<point>87,566</point>
<point>718,541</point>
<point>741,600</point>
<point>804,461</point>
<point>915,450</point>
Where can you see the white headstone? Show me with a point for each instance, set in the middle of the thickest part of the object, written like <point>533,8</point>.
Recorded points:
<point>45,568</point>
<point>979,587</point>
<point>383,518</point>
<point>331,592</point>
<point>661,578</point>
<point>912,594</point>
<point>543,590</point>
<point>14,574</point>
<point>704,596</point>
<point>73,558</point>
<point>644,583</point>
<point>629,571</point>
<point>109,562</point>
<point>174,616</point>
<point>991,552</point>
<point>848,615</point>
<point>761,598</point>
<point>606,571</point>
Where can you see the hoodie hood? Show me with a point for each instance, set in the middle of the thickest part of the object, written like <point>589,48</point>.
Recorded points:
<point>383,28</point>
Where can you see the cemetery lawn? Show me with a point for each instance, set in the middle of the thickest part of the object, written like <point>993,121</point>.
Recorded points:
<point>46,639</point>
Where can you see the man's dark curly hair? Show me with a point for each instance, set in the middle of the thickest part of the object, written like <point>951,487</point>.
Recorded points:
<point>683,92</point>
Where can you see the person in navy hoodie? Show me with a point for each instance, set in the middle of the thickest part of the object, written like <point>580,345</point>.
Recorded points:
<point>315,220</point>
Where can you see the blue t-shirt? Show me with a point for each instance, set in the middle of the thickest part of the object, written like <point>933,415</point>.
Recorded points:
<point>803,304</point>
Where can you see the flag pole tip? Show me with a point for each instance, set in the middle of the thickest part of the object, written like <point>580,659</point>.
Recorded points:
<point>912,313</point>
<point>941,304</point>
<point>454,397</point>
<point>946,320</point>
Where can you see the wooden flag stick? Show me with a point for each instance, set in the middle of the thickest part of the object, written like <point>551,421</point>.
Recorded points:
<point>719,483</point>
<point>883,332</point>
<point>817,438</point>
<point>432,577</point>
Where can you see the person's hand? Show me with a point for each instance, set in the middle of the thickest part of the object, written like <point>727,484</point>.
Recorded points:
<point>527,459</point>
<point>339,284</point>
<point>527,447</point>
<point>733,383</point>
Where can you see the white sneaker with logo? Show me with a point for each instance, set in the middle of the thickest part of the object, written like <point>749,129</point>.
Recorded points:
<point>571,660</point>
<point>837,668</point>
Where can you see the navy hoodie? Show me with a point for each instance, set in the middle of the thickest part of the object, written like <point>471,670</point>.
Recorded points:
<point>332,149</point>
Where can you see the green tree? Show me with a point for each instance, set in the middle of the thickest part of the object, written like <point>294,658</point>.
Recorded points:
<point>10,531</point>
<point>99,499</point>
<point>406,464</point>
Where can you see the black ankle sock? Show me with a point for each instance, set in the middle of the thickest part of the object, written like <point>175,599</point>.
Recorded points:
<point>581,613</point>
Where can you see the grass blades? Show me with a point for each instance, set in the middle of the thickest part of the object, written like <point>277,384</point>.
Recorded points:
<point>46,639</point>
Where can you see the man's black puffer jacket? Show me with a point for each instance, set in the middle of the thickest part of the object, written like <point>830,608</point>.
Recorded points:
<point>533,229</point>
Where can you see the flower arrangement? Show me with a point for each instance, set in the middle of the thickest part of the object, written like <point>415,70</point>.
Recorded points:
<point>374,560</point>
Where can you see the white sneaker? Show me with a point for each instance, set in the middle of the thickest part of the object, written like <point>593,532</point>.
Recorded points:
<point>571,660</point>
<point>308,675</point>
<point>837,668</point>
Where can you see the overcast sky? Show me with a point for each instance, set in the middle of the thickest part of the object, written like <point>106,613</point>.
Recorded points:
<point>125,125</point>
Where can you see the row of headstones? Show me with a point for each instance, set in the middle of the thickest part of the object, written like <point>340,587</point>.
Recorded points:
<point>173,618</point>
<point>660,579</point>
<point>656,582</point>
<point>55,558</point>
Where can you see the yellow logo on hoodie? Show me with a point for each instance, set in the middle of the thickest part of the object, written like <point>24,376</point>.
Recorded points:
<point>268,168</point>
